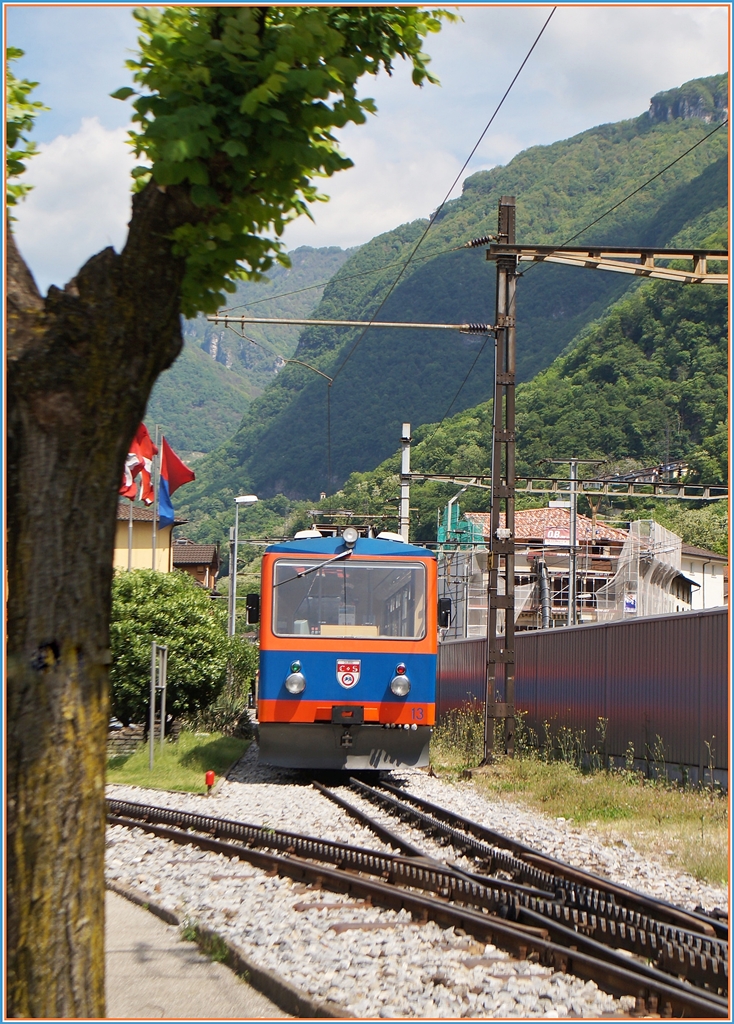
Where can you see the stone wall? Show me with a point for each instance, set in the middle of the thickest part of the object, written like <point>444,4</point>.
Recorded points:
<point>121,742</point>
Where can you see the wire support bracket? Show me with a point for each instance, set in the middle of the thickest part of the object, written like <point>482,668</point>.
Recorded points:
<point>640,262</point>
<point>467,328</point>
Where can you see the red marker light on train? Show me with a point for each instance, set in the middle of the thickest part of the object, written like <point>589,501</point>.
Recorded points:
<point>400,670</point>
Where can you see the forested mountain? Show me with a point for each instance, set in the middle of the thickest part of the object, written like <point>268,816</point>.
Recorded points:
<point>414,375</point>
<point>646,383</point>
<point>200,401</point>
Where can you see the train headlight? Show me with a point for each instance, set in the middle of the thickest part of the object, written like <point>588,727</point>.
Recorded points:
<point>296,681</point>
<point>400,684</point>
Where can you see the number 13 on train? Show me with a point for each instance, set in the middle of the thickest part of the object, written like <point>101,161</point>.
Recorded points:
<point>348,642</point>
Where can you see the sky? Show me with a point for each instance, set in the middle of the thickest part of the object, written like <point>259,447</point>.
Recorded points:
<point>593,64</point>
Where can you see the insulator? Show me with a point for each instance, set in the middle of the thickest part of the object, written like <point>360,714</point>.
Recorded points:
<point>475,328</point>
<point>477,242</point>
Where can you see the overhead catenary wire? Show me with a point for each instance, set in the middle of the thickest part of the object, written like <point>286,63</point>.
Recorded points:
<point>422,238</point>
<point>338,279</point>
<point>487,238</point>
<point>461,388</point>
<point>328,393</point>
<point>432,221</point>
<point>639,188</point>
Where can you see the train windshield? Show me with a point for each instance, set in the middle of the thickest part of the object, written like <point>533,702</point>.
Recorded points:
<point>350,599</point>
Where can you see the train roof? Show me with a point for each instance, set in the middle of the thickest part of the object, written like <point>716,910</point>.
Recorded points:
<point>334,545</point>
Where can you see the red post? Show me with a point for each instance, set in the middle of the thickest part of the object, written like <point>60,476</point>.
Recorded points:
<point>209,779</point>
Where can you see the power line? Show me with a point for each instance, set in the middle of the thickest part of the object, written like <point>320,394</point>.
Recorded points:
<point>461,386</point>
<point>432,221</point>
<point>572,238</point>
<point>344,277</point>
<point>634,193</point>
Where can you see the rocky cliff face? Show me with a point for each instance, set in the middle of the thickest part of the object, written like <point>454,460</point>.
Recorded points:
<point>705,99</point>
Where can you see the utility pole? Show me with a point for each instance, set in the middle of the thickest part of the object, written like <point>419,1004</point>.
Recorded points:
<point>501,646</point>
<point>405,440</point>
<point>571,617</point>
<point>156,473</point>
<point>232,577</point>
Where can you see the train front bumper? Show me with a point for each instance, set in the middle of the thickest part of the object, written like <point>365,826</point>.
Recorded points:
<point>327,745</point>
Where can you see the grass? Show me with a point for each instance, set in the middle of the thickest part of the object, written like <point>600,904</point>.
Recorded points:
<point>211,944</point>
<point>683,828</point>
<point>181,766</point>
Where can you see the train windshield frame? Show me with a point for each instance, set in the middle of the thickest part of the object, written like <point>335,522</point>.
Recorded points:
<point>351,599</point>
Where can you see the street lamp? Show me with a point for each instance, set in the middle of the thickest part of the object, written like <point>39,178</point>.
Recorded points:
<point>243,499</point>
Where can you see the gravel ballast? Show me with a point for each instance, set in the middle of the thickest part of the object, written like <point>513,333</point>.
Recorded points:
<point>373,962</point>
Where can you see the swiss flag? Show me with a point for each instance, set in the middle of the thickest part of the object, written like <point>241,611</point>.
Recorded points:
<point>139,461</point>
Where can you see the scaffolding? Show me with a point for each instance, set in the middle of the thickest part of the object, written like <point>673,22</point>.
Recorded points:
<point>644,579</point>
<point>648,569</point>
<point>462,576</point>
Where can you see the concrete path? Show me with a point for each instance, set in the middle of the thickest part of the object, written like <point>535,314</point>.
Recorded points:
<point>151,973</point>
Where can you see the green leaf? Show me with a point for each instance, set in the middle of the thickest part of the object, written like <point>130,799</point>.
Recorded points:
<point>204,195</point>
<point>123,93</point>
<point>218,84</point>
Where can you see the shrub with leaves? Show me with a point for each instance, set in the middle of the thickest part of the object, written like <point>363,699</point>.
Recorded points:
<point>171,609</point>
<point>240,104</point>
<point>228,712</point>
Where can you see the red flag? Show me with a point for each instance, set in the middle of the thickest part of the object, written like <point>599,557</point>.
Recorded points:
<point>173,470</point>
<point>139,461</point>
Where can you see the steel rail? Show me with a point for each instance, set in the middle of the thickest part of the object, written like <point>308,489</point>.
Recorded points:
<point>413,851</point>
<point>628,978</point>
<point>329,851</point>
<point>496,896</point>
<point>661,909</point>
<point>686,953</point>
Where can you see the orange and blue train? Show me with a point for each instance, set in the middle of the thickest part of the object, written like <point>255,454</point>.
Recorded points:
<point>348,642</point>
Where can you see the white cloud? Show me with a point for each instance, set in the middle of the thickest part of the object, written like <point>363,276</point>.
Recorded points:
<point>80,202</point>
<point>387,187</point>
<point>594,64</point>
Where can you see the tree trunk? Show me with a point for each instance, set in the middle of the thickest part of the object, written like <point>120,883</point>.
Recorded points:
<point>81,364</point>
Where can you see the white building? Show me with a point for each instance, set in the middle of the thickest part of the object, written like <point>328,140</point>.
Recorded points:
<point>711,572</point>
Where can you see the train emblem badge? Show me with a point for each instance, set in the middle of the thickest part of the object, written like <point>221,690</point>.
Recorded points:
<point>347,673</point>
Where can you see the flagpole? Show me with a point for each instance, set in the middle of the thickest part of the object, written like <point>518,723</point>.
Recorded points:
<point>156,486</point>
<point>130,537</point>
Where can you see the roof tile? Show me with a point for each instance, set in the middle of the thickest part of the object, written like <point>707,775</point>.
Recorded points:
<point>530,524</point>
<point>194,554</point>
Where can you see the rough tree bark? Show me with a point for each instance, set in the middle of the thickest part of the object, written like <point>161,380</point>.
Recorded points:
<point>81,364</point>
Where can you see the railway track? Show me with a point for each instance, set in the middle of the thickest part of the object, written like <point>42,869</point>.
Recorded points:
<point>684,944</point>
<point>513,914</point>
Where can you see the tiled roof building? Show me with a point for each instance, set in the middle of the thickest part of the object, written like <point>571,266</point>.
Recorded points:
<point>199,560</point>
<point>531,524</point>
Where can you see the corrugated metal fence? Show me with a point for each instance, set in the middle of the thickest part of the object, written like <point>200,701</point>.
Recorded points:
<point>663,676</point>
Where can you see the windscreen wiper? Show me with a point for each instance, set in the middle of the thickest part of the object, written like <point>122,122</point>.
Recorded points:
<point>314,568</point>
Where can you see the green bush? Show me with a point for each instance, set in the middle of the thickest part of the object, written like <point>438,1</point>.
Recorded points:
<point>171,609</point>
<point>227,714</point>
